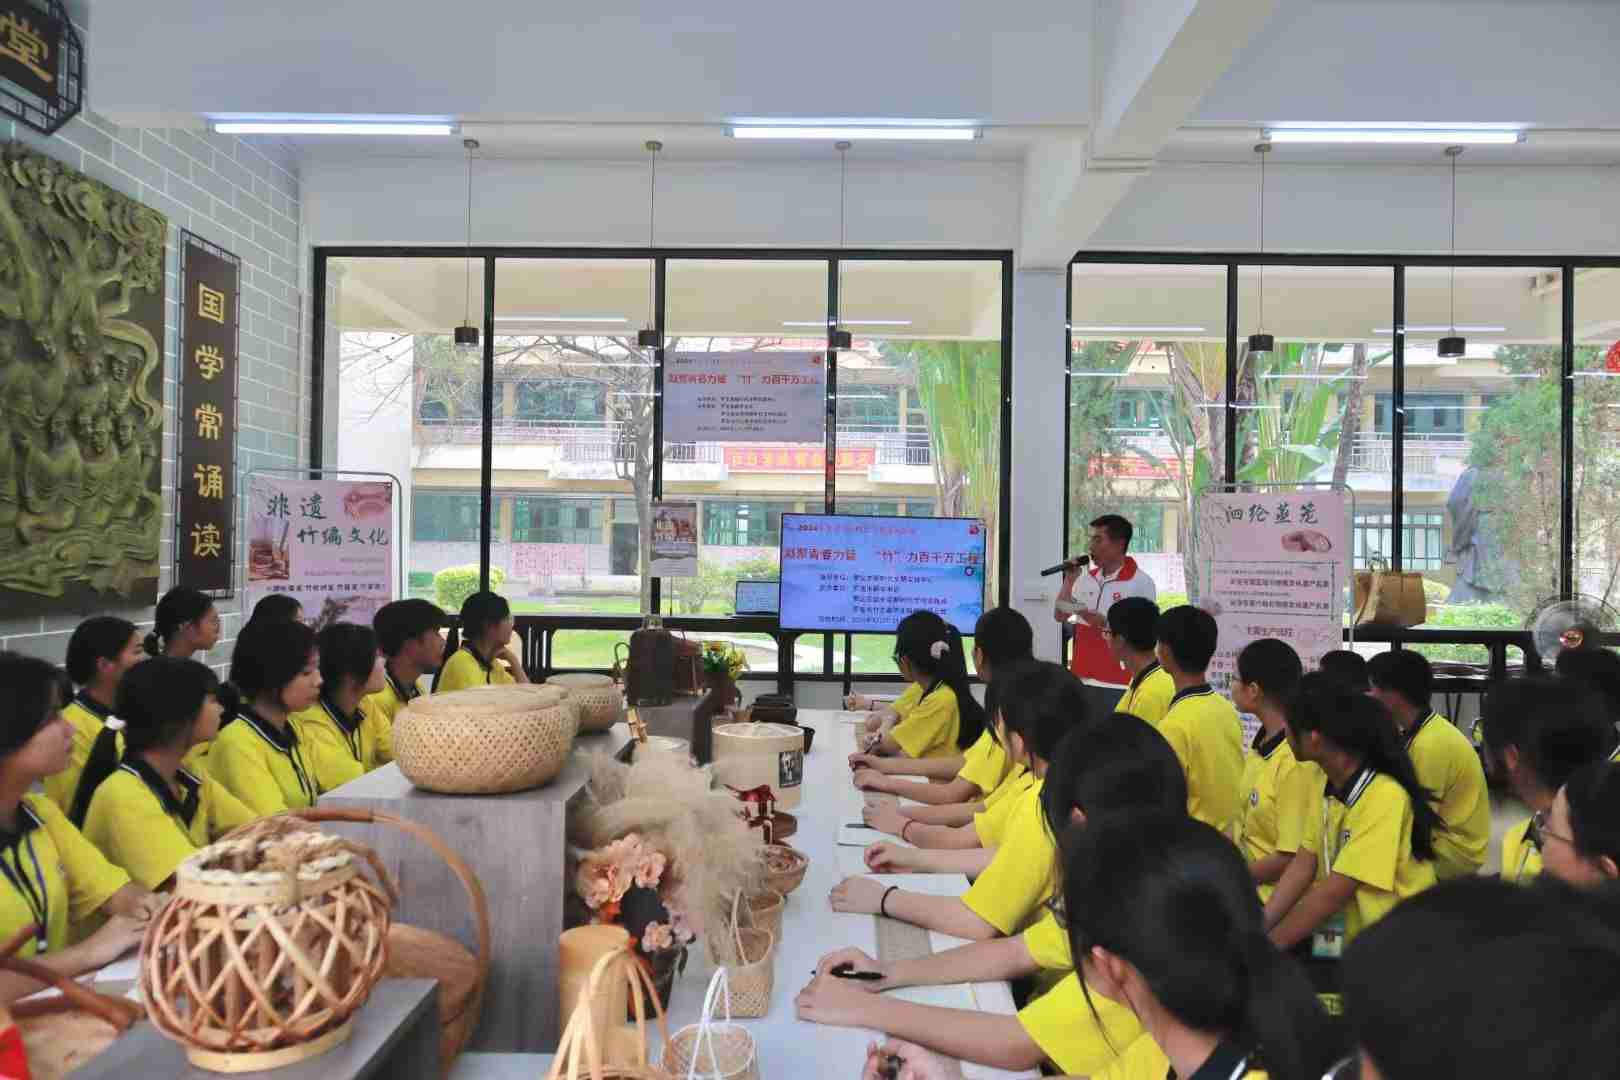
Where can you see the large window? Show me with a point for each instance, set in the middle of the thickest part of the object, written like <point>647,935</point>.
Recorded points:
<point>1596,423</point>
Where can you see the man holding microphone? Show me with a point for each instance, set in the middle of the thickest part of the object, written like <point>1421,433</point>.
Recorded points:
<point>1082,606</point>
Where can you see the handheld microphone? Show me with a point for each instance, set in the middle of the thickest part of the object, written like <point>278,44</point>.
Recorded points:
<point>1082,561</point>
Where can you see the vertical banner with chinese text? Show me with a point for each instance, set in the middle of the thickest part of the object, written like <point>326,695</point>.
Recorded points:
<point>328,543</point>
<point>1275,564</point>
<point>205,453</point>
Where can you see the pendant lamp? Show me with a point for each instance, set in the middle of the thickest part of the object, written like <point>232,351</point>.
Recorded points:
<point>1453,346</point>
<point>467,333</point>
<point>1262,343</point>
<point>841,338</point>
<point>649,337</point>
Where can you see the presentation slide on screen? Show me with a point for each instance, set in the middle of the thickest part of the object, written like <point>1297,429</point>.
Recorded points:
<point>864,574</point>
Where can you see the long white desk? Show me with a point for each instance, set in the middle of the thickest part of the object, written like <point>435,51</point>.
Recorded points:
<point>789,1047</point>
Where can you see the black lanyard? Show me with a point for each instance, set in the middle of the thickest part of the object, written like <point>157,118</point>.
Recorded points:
<point>286,743</point>
<point>185,809</point>
<point>350,728</point>
<point>39,903</point>
<point>405,697</point>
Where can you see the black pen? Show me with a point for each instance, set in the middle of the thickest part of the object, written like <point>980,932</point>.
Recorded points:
<point>842,971</point>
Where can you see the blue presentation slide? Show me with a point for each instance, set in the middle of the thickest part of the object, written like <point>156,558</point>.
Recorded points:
<point>842,572</point>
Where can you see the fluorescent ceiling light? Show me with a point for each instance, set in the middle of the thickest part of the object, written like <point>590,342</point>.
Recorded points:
<point>1459,328</point>
<point>853,322</point>
<point>332,127</point>
<point>1137,329</point>
<point>564,318</point>
<point>908,132</point>
<point>1397,136</point>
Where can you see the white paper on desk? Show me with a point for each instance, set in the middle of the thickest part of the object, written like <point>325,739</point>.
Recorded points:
<point>860,836</point>
<point>845,717</point>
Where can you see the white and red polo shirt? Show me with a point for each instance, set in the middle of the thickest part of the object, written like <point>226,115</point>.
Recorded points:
<point>1091,659</point>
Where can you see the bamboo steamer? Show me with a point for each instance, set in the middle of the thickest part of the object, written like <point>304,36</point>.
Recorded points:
<point>596,696</point>
<point>486,740</point>
<point>747,756</point>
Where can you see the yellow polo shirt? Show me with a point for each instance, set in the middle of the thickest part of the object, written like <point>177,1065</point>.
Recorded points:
<point>339,751</point>
<point>907,700</point>
<point>1149,695</point>
<point>1448,767</point>
<point>1143,1060</point>
<point>1074,1039</point>
<point>991,824</point>
<point>985,764</point>
<point>52,876</point>
<point>1521,862</point>
<point>86,716</point>
<point>465,669</point>
<point>929,728</point>
<point>1048,944</point>
<point>1203,729</point>
<point>1268,766</point>
<point>1009,894</point>
<point>145,830</point>
<point>268,770</point>
<point>1367,831</point>
<point>382,708</point>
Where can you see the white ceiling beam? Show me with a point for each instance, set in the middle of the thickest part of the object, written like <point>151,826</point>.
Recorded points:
<point>1153,60</point>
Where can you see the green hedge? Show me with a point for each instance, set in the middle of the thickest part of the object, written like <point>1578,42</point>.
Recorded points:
<point>453,584</point>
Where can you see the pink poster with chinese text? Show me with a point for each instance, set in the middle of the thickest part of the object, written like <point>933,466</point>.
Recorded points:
<point>329,543</point>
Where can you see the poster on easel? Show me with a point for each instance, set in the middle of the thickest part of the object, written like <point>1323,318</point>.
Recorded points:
<point>674,539</point>
<point>1274,564</point>
<point>327,543</point>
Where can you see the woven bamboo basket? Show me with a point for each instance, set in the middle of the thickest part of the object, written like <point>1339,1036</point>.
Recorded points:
<point>713,1049</point>
<point>785,867</point>
<point>268,949</point>
<point>485,740</point>
<point>765,911</point>
<point>748,954</point>
<point>597,697</point>
<point>580,1050</point>
<point>413,952</point>
<point>63,1033</point>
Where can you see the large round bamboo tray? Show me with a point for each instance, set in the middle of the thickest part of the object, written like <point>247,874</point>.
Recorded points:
<point>485,740</point>
<point>268,949</point>
<point>415,953</point>
<point>63,1033</point>
<point>580,1053</point>
<point>597,697</point>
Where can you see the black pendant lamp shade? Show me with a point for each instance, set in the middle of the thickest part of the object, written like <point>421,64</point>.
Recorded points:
<point>467,334</point>
<point>467,338</point>
<point>1261,344</point>
<point>1453,346</point>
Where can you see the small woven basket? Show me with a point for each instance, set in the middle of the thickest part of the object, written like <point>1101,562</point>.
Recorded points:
<point>748,955</point>
<point>580,1050</point>
<point>712,1049</point>
<point>765,911</point>
<point>267,950</point>
<point>485,740</point>
<point>597,697</point>
<point>61,1033</point>
<point>785,867</point>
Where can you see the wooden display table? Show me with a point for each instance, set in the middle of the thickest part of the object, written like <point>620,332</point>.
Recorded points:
<point>517,845</point>
<point>395,1037</point>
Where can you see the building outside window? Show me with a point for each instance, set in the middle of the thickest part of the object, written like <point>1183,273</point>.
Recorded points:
<point>545,520</point>
<point>445,516</point>
<point>1422,539</point>
<point>740,523</point>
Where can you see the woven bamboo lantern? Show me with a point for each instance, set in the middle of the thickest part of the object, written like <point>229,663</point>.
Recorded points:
<point>267,950</point>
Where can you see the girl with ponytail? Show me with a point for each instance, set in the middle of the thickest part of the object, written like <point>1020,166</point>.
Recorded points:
<point>186,623</point>
<point>945,720</point>
<point>101,649</point>
<point>1368,842</point>
<point>142,807</point>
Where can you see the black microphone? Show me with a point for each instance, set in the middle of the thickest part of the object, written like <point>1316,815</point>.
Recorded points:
<point>1082,561</point>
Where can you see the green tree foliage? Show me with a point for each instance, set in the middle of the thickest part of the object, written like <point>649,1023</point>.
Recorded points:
<point>453,584</point>
<point>716,584</point>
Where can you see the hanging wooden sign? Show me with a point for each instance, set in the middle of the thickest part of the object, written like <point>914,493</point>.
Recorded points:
<point>205,518</point>
<point>41,64</point>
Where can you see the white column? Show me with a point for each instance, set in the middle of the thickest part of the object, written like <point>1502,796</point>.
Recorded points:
<point>1040,410</point>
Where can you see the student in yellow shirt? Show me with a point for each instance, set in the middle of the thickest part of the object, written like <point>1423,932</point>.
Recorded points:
<point>946,719</point>
<point>341,733</point>
<point>1201,726</point>
<point>1371,841</point>
<point>258,755</point>
<point>1350,668</point>
<point>1001,637</point>
<point>1445,760</point>
<point>1132,638</point>
<point>1276,787</point>
<point>409,634</point>
<point>1038,703</point>
<point>1580,844</point>
<point>140,806</point>
<point>51,877</point>
<point>1538,732</point>
<point>185,623</point>
<point>1122,766</point>
<point>101,649</point>
<point>485,657</point>
<point>1478,978</point>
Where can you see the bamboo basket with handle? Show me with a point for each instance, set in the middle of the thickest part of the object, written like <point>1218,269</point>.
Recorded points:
<point>415,953</point>
<point>713,1049</point>
<point>66,1032</point>
<point>749,955</point>
<point>580,1039</point>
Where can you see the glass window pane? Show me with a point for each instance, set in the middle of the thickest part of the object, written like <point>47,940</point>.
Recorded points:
<point>409,403</point>
<point>1597,434</point>
<point>1483,476</point>
<point>1147,388</point>
<point>573,440</point>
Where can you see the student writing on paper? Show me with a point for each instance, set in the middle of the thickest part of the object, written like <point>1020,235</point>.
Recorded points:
<point>945,718</point>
